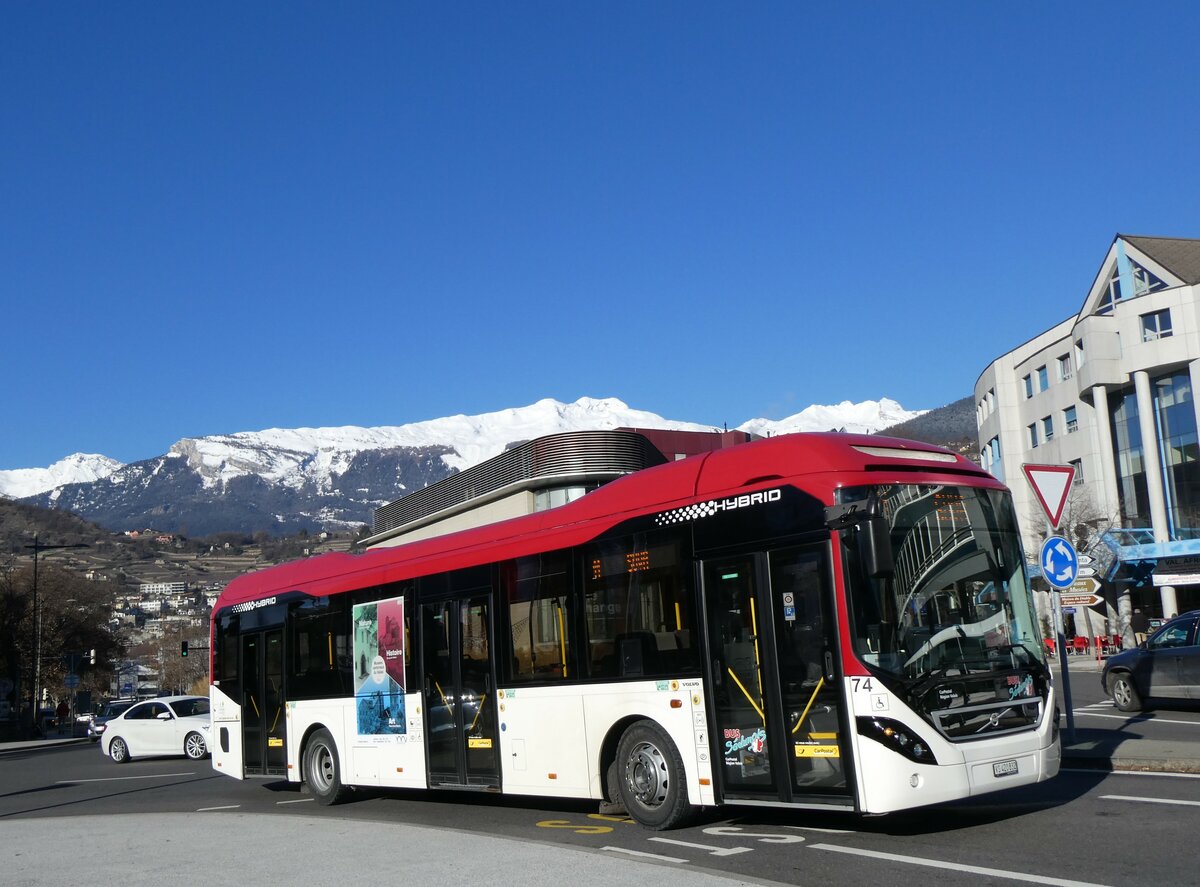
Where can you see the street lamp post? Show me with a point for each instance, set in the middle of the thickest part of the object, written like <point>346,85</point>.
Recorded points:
<point>37,625</point>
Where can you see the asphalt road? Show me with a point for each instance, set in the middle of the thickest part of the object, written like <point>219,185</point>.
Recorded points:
<point>1083,827</point>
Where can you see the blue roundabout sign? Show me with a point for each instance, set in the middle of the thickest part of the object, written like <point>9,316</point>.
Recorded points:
<point>1060,562</point>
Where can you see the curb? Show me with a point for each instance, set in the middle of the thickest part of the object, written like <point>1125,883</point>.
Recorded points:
<point>12,748</point>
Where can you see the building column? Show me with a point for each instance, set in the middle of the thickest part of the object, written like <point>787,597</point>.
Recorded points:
<point>1110,502</point>
<point>1154,475</point>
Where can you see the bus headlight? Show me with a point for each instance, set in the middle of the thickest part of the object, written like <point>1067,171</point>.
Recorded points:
<point>898,738</point>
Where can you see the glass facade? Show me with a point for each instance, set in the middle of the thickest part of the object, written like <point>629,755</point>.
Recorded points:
<point>1175,420</point>
<point>1128,455</point>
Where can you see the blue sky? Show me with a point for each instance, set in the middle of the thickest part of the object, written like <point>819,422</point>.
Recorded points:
<point>224,217</point>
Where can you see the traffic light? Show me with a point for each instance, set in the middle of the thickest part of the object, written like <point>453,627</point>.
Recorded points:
<point>183,648</point>
<point>92,656</point>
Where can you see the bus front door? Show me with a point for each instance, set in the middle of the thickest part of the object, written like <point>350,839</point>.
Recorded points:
<point>264,743</point>
<point>460,702</point>
<point>778,707</point>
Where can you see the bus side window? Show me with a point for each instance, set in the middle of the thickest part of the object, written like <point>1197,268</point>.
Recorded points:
<point>639,608</point>
<point>536,592</point>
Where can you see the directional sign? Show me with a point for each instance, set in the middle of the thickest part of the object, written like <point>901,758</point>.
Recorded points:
<point>1060,563</point>
<point>1051,484</point>
<point>1084,585</point>
<point>1080,600</point>
<point>71,681</point>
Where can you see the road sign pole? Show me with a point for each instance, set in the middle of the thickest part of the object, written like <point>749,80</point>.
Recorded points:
<point>1061,644</point>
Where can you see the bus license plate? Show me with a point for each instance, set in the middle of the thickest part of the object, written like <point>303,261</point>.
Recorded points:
<point>1004,768</point>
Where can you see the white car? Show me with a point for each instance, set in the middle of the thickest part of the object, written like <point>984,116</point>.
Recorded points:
<point>171,725</point>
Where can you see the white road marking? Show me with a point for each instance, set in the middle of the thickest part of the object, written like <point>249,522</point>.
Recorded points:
<point>1093,714</point>
<point>827,831</point>
<point>1129,715</point>
<point>738,832</point>
<point>957,867</point>
<point>712,851</point>
<point>645,855</point>
<point>120,778</point>
<point>1129,772</point>
<point>1150,800</point>
<point>297,801</point>
<point>210,809</point>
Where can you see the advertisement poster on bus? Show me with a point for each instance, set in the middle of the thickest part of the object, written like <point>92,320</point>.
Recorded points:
<point>379,667</point>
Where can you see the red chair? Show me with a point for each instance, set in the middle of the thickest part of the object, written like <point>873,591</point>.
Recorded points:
<point>1050,646</point>
<point>1081,644</point>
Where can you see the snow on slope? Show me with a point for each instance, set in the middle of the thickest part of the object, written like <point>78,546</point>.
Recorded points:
<point>76,469</point>
<point>298,456</point>
<point>867,417</point>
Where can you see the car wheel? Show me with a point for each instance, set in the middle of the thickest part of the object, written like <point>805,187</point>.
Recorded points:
<point>194,747</point>
<point>1124,693</point>
<point>650,777</point>
<point>119,751</point>
<point>321,771</point>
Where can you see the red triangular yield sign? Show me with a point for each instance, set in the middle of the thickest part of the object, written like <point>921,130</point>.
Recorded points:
<point>1051,484</point>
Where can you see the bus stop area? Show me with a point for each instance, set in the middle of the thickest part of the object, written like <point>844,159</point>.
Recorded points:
<point>298,850</point>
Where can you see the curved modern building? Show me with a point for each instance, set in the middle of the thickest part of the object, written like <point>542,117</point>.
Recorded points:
<point>536,475</point>
<point>1110,391</point>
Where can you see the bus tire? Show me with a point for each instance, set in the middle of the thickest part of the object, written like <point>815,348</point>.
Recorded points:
<point>322,773</point>
<point>650,777</point>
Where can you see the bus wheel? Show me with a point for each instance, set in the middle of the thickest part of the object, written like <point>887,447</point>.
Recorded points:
<point>321,769</point>
<point>650,776</point>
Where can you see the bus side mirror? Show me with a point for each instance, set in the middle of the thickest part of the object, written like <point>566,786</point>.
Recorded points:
<point>876,548</point>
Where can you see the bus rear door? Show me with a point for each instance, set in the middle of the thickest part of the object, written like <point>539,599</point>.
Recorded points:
<point>264,739</point>
<point>779,711</point>
<point>460,700</point>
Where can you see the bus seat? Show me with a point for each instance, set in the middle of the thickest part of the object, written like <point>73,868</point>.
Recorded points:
<point>638,653</point>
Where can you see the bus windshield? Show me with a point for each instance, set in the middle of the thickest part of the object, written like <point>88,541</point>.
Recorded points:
<point>955,606</point>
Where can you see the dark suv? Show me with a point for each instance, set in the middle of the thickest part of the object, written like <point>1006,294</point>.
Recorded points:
<point>1166,667</point>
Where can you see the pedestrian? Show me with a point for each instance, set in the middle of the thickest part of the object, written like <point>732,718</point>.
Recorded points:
<point>1140,625</point>
<point>61,713</point>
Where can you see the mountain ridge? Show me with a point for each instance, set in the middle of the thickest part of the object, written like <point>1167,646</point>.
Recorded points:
<point>285,480</point>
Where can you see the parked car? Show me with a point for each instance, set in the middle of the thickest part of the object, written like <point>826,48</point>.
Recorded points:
<point>172,725</point>
<point>111,709</point>
<point>1165,667</point>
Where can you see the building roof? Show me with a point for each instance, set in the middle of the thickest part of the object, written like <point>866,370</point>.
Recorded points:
<point>1179,255</point>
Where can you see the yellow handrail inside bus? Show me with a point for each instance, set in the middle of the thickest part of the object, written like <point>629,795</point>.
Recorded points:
<point>678,618</point>
<point>746,693</point>
<point>255,704</point>
<point>562,637</point>
<point>478,712</point>
<point>278,712</point>
<point>811,700</point>
<point>445,701</point>
<point>757,655</point>
<point>329,635</point>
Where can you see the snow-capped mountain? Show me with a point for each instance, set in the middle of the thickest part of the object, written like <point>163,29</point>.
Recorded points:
<point>80,468</point>
<point>280,480</point>
<point>868,417</point>
<point>299,456</point>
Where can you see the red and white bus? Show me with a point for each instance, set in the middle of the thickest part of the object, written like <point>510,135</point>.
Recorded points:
<point>823,621</point>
